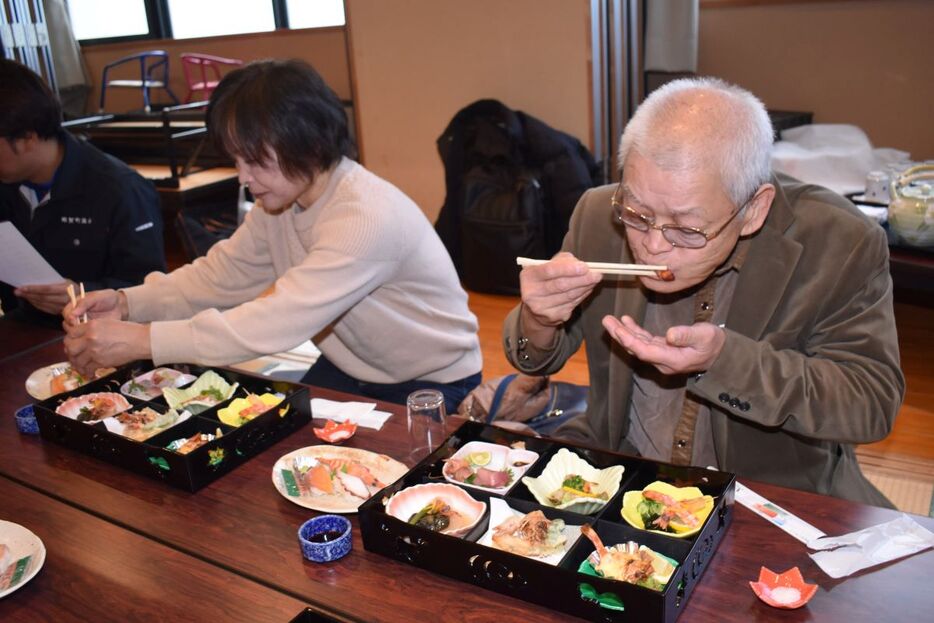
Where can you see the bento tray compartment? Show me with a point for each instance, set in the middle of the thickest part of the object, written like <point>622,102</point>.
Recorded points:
<point>150,457</point>
<point>555,587</point>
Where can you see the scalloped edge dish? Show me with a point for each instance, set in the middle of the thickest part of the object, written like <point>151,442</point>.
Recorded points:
<point>254,405</point>
<point>565,463</point>
<point>408,502</point>
<point>187,397</point>
<point>770,583</point>
<point>75,406</point>
<point>631,500</point>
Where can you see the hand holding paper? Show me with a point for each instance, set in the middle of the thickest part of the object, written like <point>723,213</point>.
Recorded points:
<point>50,298</point>
<point>20,263</point>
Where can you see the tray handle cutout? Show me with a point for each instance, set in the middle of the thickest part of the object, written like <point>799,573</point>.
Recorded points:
<point>410,548</point>
<point>489,571</point>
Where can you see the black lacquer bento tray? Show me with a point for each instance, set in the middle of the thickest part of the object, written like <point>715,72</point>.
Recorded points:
<point>151,457</point>
<point>557,587</point>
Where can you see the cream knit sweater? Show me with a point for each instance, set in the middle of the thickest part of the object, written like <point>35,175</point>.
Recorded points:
<point>361,271</point>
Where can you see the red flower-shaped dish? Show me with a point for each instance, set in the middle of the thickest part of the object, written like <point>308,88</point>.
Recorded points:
<point>785,590</point>
<point>334,432</point>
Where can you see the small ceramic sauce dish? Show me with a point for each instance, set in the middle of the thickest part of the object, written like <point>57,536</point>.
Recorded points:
<point>26,421</point>
<point>325,538</point>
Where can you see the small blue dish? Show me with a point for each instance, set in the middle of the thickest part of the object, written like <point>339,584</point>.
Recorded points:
<point>325,538</point>
<point>26,421</point>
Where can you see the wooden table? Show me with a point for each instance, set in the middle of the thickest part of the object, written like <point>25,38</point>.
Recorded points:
<point>912,275</point>
<point>17,336</point>
<point>97,571</point>
<point>241,524</point>
<point>203,180</point>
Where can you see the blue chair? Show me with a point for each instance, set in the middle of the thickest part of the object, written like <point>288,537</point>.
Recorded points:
<point>153,74</point>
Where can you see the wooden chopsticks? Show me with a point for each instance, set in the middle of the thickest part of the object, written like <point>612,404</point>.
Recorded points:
<point>74,300</point>
<point>606,268</point>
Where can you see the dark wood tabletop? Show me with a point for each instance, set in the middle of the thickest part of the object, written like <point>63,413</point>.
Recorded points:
<point>242,524</point>
<point>17,336</point>
<point>96,571</point>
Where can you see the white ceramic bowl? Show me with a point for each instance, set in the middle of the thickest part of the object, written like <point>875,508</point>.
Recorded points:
<point>409,501</point>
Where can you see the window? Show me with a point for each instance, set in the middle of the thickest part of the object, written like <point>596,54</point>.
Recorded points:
<point>124,18</point>
<point>104,21</point>
<point>206,18</point>
<point>315,13</point>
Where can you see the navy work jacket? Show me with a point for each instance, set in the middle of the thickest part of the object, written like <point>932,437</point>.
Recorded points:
<point>101,223</point>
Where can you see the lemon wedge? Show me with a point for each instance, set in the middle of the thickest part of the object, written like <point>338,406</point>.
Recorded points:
<point>479,458</point>
<point>662,569</point>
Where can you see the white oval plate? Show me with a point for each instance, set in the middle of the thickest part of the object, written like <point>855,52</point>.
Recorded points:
<point>37,385</point>
<point>22,542</point>
<point>386,469</point>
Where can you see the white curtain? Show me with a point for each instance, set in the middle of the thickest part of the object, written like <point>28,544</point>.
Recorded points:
<point>70,73</point>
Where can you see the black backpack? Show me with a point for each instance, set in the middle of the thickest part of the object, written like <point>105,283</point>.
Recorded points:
<point>512,183</point>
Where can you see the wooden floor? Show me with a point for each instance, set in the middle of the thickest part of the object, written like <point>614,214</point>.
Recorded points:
<point>911,443</point>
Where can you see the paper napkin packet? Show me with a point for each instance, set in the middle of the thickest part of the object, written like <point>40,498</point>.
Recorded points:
<point>848,553</point>
<point>360,413</point>
<point>844,555</point>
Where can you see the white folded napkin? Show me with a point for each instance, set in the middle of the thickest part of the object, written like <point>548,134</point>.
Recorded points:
<point>360,413</point>
<point>879,215</point>
<point>872,546</point>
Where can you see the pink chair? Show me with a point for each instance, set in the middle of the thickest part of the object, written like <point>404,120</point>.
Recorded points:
<point>197,68</point>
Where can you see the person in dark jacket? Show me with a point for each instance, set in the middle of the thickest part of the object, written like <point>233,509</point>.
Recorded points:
<point>93,218</point>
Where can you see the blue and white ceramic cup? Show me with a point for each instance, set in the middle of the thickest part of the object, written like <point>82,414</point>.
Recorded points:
<point>26,421</point>
<point>325,538</point>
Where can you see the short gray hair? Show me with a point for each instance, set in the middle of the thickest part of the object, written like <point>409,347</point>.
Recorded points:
<point>737,136</point>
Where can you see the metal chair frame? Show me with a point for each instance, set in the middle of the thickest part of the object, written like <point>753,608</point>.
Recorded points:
<point>150,62</point>
<point>203,62</point>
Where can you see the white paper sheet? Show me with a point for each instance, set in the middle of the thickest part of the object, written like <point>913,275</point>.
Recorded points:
<point>20,263</point>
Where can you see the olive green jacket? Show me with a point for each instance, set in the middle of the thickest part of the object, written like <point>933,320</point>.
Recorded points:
<point>811,352</point>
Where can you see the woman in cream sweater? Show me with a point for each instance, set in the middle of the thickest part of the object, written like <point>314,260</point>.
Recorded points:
<point>353,263</point>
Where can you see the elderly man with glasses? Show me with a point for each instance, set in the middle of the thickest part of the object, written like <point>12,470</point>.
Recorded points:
<point>770,347</point>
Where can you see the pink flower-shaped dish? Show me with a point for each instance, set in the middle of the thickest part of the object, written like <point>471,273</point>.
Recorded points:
<point>783,590</point>
<point>334,432</point>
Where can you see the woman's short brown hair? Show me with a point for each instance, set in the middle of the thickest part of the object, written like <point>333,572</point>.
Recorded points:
<point>283,106</point>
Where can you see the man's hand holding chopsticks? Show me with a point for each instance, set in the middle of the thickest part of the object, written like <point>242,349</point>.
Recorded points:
<point>550,292</point>
<point>682,350</point>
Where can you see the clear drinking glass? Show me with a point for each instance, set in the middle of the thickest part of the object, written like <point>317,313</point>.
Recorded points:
<point>426,421</point>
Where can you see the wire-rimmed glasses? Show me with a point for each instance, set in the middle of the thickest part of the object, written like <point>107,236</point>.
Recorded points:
<point>676,235</point>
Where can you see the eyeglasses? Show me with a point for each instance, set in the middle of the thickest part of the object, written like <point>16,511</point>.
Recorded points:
<point>676,235</point>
